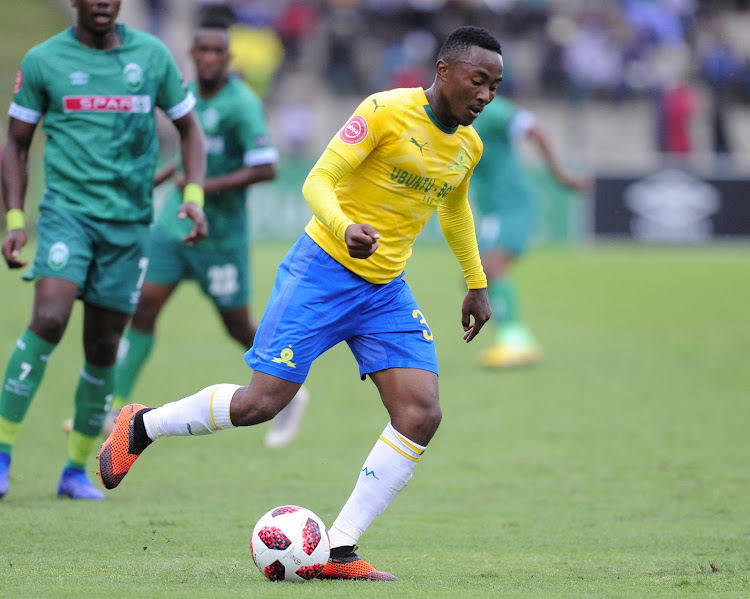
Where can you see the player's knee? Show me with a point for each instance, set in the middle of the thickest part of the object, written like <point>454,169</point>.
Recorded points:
<point>419,420</point>
<point>49,324</point>
<point>431,418</point>
<point>144,318</point>
<point>101,350</point>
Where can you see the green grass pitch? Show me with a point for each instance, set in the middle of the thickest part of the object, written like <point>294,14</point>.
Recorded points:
<point>617,468</point>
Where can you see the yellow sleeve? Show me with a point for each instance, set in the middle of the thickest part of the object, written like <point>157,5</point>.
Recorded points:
<point>319,190</point>
<point>457,223</point>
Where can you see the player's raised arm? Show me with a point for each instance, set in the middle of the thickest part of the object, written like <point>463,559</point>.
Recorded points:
<point>540,138</point>
<point>14,174</point>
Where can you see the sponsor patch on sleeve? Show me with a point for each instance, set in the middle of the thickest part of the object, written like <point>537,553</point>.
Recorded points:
<point>19,81</point>
<point>354,131</point>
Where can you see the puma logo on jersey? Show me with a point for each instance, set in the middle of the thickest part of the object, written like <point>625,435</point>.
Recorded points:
<point>375,101</point>
<point>419,145</point>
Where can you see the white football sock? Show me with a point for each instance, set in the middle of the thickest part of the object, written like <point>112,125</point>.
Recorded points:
<point>386,471</point>
<point>201,414</point>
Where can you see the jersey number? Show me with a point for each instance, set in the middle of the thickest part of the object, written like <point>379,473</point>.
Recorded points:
<point>223,280</point>
<point>25,370</point>
<point>426,331</point>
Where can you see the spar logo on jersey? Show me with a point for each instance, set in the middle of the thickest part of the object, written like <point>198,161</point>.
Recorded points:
<point>18,82</point>
<point>354,131</point>
<point>133,75</point>
<point>134,104</point>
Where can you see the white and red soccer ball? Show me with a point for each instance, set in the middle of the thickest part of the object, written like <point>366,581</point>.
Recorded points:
<point>290,543</point>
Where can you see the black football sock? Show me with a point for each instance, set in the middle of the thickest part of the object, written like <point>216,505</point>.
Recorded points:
<point>138,440</point>
<point>342,551</point>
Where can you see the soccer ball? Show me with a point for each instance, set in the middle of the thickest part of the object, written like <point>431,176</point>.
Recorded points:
<point>290,543</point>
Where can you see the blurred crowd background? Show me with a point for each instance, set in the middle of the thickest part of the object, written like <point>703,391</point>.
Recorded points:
<point>621,82</point>
<point>620,86</point>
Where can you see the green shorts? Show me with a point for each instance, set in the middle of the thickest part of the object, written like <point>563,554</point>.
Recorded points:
<point>508,232</point>
<point>223,275</point>
<point>105,259</point>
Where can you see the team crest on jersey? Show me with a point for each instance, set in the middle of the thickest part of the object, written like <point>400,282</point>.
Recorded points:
<point>79,78</point>
<point>133,75</point>
<point>57,259</point>
<point>286,357</point>
<point>460,164</point>
<point>354,131</point>
<point>210,119</point>
<point>18,82</point>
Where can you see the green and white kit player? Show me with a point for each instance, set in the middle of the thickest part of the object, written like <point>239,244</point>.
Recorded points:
<point>239,153</point>
<point>95,88</point>
<point>506,205</point>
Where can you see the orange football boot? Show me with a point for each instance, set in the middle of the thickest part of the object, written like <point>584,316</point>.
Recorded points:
<point>121,449</point>
<point>350,566</point>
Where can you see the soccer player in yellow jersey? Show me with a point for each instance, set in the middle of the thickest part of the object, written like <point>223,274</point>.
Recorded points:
<point>402,155</point>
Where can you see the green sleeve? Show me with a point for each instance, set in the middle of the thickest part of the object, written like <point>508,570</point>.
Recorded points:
<point>32,94</point>
<point>173,96</point>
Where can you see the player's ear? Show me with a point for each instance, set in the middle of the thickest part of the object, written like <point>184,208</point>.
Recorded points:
<point>441,69</point>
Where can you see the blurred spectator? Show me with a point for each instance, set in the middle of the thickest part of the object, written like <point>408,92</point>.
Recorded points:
<point>676,107</point>
<point>593,58</point>
<point>295,21</point>
<point>415,57</point>
<point>720,67</point>
<point>157,15</point>
<point>294,124</point>
<point>257,51</point>
<point>346,28</point>
<point>654,22</point>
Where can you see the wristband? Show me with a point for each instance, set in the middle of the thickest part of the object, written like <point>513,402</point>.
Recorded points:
<point>15,219</point>
<point>193,193</point>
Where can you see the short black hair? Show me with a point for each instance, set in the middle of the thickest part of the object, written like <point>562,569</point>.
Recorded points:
<point>458,43</point>
<point>216,16</point>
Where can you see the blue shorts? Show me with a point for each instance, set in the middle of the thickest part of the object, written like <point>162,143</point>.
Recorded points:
<point>223,275</point>
<point>317,303</point>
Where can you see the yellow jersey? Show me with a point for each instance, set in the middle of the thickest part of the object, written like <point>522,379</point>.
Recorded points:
<point>405,165</point>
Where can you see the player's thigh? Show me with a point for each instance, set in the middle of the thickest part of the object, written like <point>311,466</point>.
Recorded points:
<point>166,259</point>
<point>65,246</point>
<point>119,266</point>
<point>152,300</point>
<point>393,332</point>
